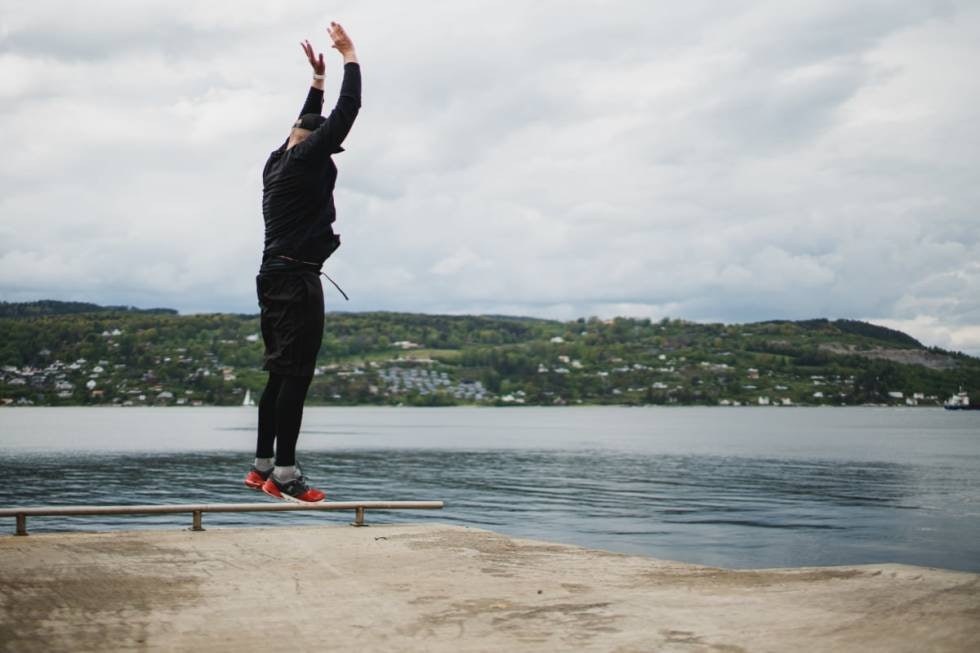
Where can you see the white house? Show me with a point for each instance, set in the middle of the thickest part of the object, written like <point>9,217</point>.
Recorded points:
<point>406,344</point>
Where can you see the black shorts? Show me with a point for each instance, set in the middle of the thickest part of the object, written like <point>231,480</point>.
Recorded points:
<point>291,319</point>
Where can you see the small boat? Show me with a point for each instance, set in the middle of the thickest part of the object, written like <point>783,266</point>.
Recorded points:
<point>248,398</point>
<point>960,401</point>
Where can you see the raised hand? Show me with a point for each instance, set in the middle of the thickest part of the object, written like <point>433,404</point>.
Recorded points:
<point>340,39</point>
<point>316,60</point>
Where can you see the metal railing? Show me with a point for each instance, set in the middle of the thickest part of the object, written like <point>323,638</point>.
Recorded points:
<point>198,510</point>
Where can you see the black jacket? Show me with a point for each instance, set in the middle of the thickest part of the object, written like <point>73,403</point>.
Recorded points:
<point>298,183</point>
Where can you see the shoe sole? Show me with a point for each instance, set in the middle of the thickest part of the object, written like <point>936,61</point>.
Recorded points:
<point>286,497</point>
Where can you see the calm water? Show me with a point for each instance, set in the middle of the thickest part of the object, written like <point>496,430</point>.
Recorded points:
<point>750,487</point>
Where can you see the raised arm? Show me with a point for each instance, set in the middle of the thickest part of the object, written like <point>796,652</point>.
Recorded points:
<point>314,99</point>
<point>328,136</point>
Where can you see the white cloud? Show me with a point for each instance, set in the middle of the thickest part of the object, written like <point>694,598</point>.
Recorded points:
<point>553,159</point>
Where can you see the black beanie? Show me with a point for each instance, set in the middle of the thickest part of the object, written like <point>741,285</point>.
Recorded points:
<point>309,121</point>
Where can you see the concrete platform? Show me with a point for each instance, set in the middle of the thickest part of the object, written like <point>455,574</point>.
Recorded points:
<point>432,587</point>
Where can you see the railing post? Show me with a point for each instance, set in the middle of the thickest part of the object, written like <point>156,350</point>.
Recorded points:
<point>197,521</point>
<point>21,524</point>
<point>358,517</point>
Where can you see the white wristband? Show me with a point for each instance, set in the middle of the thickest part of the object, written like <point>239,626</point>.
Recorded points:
<point>315,76</point>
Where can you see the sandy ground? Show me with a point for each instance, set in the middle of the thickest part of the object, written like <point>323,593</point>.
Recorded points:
<point>432,587</point>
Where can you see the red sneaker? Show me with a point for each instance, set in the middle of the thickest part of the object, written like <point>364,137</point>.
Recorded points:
<point>255,478</point>
<point>295,490</point>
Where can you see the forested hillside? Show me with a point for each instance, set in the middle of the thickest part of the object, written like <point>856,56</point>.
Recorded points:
<point>54,353</point>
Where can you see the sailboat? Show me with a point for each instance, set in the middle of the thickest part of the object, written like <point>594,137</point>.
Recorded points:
<point>248,398</point>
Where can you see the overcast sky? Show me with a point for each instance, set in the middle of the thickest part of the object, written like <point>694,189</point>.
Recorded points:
<point>713,161</point>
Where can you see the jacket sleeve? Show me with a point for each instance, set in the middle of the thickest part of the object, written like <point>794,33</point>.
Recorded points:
<point>314,102</point>
<point>326,139</point>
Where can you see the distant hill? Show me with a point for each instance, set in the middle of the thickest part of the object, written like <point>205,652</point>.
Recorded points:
<point>880,333</point>
<point>73,353</point>
<point>53,307</point>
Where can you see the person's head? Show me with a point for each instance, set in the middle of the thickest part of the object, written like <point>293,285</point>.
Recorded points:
<point>303,127</point>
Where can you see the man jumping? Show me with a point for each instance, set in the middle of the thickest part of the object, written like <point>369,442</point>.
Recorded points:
<point>297,205</point>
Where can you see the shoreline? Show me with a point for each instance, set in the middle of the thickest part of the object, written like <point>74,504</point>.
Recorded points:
<point>504,407</point>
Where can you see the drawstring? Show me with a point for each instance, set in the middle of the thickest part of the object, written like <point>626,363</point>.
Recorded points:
<point>335,285</point>
<point>320,271</point>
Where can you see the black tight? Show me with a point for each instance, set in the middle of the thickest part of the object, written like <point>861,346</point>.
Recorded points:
<point>280,415</point>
